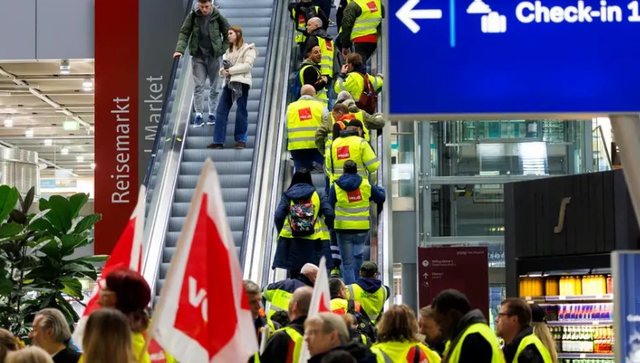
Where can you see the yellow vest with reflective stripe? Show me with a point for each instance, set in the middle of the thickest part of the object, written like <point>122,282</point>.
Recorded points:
<point>397,352</point>
<point>347,148</point>
<point>533,339</point>
<point>278,300</point>
<point>372,303</point>
<point>297,339</point>
<point>304,117</point>
<point>301,25</point>
<point>321,95</point>
<point>487,334</point>
<point>327,50</point>
<point>367,23</point>
<point>352,208</point>
<point>320,230</point>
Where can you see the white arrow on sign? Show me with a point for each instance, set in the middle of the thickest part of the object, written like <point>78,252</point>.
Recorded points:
<point>407,14</point>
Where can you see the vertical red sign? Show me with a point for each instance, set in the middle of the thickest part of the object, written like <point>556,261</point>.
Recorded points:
<point>116,117</point>
<point>465,269</point>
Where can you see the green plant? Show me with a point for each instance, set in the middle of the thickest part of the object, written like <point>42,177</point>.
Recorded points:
<point>36,268</point>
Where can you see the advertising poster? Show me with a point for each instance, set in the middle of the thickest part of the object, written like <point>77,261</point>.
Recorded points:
<point>626,279</point>
<point>462,268</point>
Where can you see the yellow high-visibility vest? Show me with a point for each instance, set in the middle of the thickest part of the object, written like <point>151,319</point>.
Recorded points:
<point>367,23</point>
<point>352,208</point>
<point>304,117</point>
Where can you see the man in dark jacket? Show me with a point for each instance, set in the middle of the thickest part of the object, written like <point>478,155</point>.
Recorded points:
<point>326,333</point>
<point>513,324</point>
<point>300,12</point>
<point>471,340</point>
<point>350,197</point>
<point>286,342</point>
<point>205,31</point>
<point>50,332</point>
<point>279,294</point>
<point>360,24</point>
<point>369,292</point>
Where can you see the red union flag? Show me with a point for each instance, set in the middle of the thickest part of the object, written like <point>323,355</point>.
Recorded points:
<point>185,323</point>
<point>320,302</point>
<point>126,253</point>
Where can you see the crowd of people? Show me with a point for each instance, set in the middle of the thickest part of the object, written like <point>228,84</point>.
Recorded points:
<point>358,329</point>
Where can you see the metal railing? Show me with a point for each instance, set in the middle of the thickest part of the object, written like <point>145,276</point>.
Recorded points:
<point>265,165</point>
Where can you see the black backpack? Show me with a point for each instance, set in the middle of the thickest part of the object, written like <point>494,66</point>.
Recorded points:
<point>364,324</point>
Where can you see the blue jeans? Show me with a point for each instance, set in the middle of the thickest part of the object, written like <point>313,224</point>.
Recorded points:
<point>352,253</point>
<point>222,115</point>
<point>305,158</point>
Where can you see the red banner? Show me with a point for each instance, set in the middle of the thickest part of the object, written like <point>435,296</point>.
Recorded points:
<point>116,117</point>
<point>465,269</point>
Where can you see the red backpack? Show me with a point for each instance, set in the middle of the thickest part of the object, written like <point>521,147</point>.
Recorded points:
<point>368,100</point>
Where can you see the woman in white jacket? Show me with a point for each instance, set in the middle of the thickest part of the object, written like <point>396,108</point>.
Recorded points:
<point>237,64</point>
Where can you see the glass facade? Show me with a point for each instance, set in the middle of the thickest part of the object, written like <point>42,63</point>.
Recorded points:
<point>452,173</point>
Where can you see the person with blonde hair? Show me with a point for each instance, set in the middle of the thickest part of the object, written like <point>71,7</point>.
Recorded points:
<point>30,354</point>
<point>541,330</point>
<point>8,343</point>
<point>107,338</point>
<point>398,339</point>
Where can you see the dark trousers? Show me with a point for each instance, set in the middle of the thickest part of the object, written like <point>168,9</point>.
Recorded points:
<point>365,50</point>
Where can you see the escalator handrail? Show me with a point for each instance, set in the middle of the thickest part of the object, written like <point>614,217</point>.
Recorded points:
<point>163,114</point>
<point>258,219</point>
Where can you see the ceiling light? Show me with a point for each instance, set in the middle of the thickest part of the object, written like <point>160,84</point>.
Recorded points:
<point>48,142</point>
<point>79,158</point>
<point>87,84</point>
<point>64,151</point>
<point>93,166</point>
<point>71,125</point>
<point>28,133</point>
<point>8,122</point>
<point>65,67</point>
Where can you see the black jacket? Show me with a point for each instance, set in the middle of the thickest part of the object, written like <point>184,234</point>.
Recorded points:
<point>280,346</point>
<point>358,351</point>
<point>530,354</point>
<point>300,9</point>
<point>475,349</point>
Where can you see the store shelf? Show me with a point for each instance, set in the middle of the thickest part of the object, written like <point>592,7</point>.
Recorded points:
<point>579,322</point>
<point>579,298</point>
<point>585,356</point>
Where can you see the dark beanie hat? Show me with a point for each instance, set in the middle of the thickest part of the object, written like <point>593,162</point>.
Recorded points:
<point>132,290</point>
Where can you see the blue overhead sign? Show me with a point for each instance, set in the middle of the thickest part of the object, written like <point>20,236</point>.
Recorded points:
<point>489,57</point>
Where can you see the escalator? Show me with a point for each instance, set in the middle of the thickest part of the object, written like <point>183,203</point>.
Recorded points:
<point>182,148</point>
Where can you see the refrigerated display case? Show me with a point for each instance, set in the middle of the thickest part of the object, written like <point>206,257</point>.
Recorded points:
<point>579,313</point>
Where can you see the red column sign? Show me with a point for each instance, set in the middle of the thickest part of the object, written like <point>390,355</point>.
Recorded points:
<point>116,117</point>
<point>462,268</point>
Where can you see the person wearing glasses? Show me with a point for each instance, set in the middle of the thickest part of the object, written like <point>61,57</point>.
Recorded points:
<point>513,324</point>
<point>471,340</point>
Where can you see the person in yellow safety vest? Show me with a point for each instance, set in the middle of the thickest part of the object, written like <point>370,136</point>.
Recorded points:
<point>303,220</point>
<point>360,26</point>
<point>278,294</point>
<point>265,328</point>
<point>318,36</point>
<point>398,340</point>
<point>351,77</point>
<point>350,146</point>
<point>326,333</point>
<point>286,344</point>
<point>304,116</point>
<point>310,74</point>
<point>300,12</point>
<point>368,291</point>
<point>513,324</point>
<point>470,339</point>
<point>346,105</point>
<point>350,196</point>
<point>339,303</point>
<point>431,331</point>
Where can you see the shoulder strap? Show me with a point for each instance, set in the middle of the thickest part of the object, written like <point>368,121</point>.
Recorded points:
<point>333,170</point>
<point>416,353</point>
<point>386,357</point>
<point>351,293</point>
<point>367,81</point>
